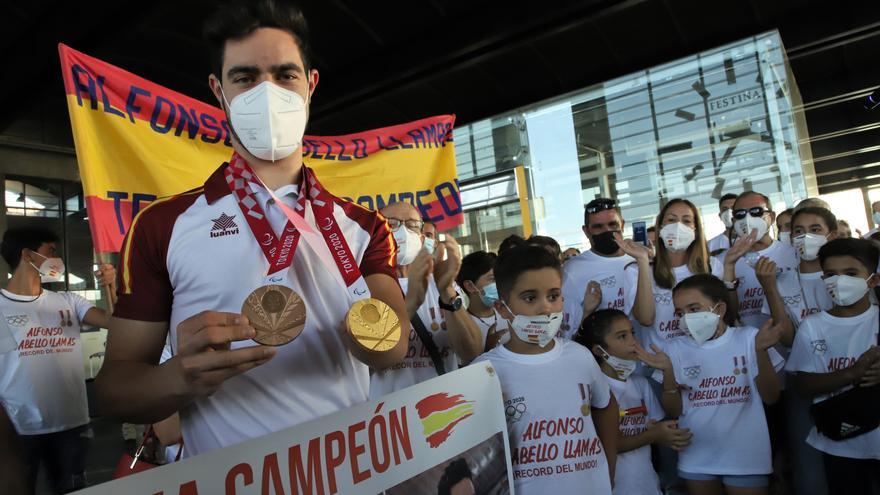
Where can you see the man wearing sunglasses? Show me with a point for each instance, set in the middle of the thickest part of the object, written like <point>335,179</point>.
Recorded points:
<point>752,218</point>
<point>447,335</point>
<point>595,278</point>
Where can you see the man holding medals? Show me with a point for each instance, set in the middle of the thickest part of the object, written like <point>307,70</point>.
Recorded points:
<point>261,254</point>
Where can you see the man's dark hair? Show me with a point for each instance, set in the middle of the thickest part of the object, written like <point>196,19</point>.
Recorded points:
<point>238,18</point>
<point>826,216</point>
<point>14,240</point>
<point>726,197</point>
<point>651,229</point>
<point>456,471</point>
<point>510,241</point>
<point>713,288</point>
<point>756,193</point>
<point>475,265</point>
<point>600,202</point>
<point>515,261</point>
<point>861,249</point>
<point>545,242</point>
<point>595,326</point>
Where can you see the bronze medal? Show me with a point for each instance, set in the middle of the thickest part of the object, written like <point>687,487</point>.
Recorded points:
<point>276,312</point>
<point>373,325</point>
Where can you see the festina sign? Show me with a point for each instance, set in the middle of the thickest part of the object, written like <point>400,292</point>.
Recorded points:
<point>735,100</point>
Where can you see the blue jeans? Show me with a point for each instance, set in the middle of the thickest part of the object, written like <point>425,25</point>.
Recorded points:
<point>64,455</point>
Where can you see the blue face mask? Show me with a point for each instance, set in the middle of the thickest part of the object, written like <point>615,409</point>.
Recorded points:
<point>489,294</point>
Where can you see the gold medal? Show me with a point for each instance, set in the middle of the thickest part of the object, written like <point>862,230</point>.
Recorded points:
<point>736,371</point>
<point>435,326</point>
<point>276,312</point>
<point>585,409</point>
<point>373,325</point>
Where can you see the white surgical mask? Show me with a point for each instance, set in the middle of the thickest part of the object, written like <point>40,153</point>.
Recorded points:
<point>727,218</point>
<point>408,245</point>
<point>701,325</point>
<point>677,236</point>
<point>785,237</point>
<point>807,245</point>
<point>876,218</point>
<point>846,290</point>
<point>268,120</point>
<point>745,226</point>
<point>623,367</point>
<point>50,270</point>
<point>538,329</point>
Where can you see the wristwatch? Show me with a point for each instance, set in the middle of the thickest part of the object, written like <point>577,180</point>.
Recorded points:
<point>453,305</point>
<point>731,285</point>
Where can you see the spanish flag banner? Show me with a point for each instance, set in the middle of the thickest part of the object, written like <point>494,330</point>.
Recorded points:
<point>137,141</point>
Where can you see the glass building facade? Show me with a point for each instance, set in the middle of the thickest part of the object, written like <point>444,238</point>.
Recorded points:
<point>723,121</point>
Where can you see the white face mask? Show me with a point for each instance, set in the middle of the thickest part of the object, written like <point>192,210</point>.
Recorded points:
<point>745,226</point>
<point>701,325</point>
<point>846,290</point>
<point>677,236</point>
<point>727,218</point>
<point>623,367</point>
<point>785,237</point>
<point>50,270</point>
<point>408,245</point>
<point>268,120</point>
<point>876,218</point>
<point>538,329</point>
<point>807,245</point>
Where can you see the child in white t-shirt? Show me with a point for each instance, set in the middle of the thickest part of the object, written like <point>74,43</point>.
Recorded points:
<point>836,350</point>
<point>715,382</point>
<point>608,333</point>
<point>476,276</point>
<point>561,416</point>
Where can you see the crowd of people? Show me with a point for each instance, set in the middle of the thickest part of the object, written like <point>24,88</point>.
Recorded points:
<point>740,364</point>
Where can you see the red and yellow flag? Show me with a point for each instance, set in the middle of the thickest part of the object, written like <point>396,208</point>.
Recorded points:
<point>137,141</point>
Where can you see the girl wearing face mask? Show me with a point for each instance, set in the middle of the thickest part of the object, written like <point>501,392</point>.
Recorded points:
<point>681,252</point>
<point>838,349</point>
<point>609,335</point>
<point>477,278</point>
<point>715,382</point>
<point>545,378</point>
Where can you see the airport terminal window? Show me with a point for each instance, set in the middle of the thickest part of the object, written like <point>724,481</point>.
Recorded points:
<point>716,122</point>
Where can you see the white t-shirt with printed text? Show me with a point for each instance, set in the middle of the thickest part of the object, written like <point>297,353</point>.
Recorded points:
<point>548,399</point>
<point>418,366</point>
<point>578,272</point>
<point>722,406</point>
<point>42,381</point>
<point>803,294</point>
<point>666,325</point>
<point>492,325</point>
<point>825,344</point>
<point>750,293</point>
<point>634,474</point>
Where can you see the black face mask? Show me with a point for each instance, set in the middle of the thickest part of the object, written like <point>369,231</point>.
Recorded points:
<point>604,243</point>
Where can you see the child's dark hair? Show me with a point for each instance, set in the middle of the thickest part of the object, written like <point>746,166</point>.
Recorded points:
<point>595,327</point>
<point>475,265</point>
<point>863,250</point>
<point>826,216</point>
<point>713,288</point>
<point>516,260</point>
<point>14,240</point>
<point>454,473</point>
<point>509,242</point>
<point>547,243</point>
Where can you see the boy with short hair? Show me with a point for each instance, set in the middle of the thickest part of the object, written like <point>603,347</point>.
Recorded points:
<point>561,416</point>
<point>836,350</point>
<point>477,279</point>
